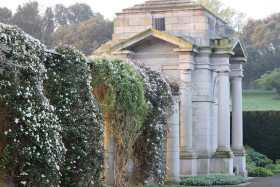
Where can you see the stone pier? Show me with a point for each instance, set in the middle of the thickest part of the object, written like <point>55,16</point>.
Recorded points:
<point>173,145</point>
<point>239,161</point>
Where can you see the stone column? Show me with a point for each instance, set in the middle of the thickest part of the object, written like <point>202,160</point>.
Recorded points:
<point>173,145</point>
<point>222,161</point>
<point>109,157</point>
<point>202,110</point>
<point>239,162</point>
<point>188,158</point>
<point>237,117</point>
<point>186,112</point>
<point>223,113</point>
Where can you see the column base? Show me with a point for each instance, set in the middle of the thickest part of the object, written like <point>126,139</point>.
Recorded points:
<point>239,162</point>
<point>222,161</point>
<point>203,162</point>
<point>188,163</point>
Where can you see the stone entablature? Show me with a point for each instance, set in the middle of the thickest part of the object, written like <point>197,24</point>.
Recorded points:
<point>199,51</point>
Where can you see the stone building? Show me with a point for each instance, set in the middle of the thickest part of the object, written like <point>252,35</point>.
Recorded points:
<point>190,44</point>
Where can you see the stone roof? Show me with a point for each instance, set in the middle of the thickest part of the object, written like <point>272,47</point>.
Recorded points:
<point>160,4</point>
<point>182,44</point>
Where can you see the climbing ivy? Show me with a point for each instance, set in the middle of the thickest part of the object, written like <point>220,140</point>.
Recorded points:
<point>150,145</point>
<point>70,91</point>
<point>31,150</point>
<point>118,87</point>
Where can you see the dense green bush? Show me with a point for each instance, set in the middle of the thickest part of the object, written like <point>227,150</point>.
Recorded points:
<point>275,167</point>
<point>261,131</point>
<point>119,89</point>
<point>259,159</point>
<point>260,172</point>
<point>31,150</point>
<point>210,180</point>
<point>70,91</point>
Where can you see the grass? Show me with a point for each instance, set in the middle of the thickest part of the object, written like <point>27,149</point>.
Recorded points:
<point>260,100</point>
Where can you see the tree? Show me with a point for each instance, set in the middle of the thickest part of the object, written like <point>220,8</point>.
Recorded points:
<point>261,38</point>
<point>271,80</point>
<point>86,36</point>
<point>28,18</point>
<point>61,15</point>
<point>229,15</point>
<point>5,15</point>
<point>79,12</point>
<point>47,27</point>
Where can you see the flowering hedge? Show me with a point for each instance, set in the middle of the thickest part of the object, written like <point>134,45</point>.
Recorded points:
<point>31,150</point>
<point>70,91</point>
<point>149,148</point>
<point>134,99</point>
<point>119,89</point>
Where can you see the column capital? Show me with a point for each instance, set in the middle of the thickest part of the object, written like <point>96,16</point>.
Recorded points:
<point>236,68</point>
<point>185,71</point>
<point>223,72</point>
<point>202,58</point>
<point>186,60</point>
<point>234,60</point>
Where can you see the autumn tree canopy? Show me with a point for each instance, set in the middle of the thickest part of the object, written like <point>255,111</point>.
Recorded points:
<point>76,25</point>
<point>262,41</point>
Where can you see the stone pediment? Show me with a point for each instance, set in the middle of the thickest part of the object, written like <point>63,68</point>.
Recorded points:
<point>234,46</point>
<point>148,34</point>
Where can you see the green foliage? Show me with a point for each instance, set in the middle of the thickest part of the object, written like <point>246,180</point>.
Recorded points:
<point>31,149</point>
<point>149,147</point>
<point>271,80</point>
<point>232,17</point>
<point>210,180</point>
<point>260,172</point>
<point>5,15</point>
<point>261,131</point>
<point>261,41</point>
<point>70,91</point>
<point>79,12</point>
<point>259,159</point>
<point>119,89</point>
<point>86,36</point>
<point>28,18</point>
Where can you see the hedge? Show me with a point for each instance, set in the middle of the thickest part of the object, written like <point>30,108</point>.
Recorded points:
<point>262,132</point>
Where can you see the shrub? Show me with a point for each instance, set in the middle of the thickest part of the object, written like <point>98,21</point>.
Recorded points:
<point>260,172</point>
<point>70,91</point>
<point>261,131</point>
<point>259,159</point>
<point>119,89</point>
<point>31,149</point>
<point>277,167</point>
<point>210,180</point>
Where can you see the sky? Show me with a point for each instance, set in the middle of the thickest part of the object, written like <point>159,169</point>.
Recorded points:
<point>255,9</point>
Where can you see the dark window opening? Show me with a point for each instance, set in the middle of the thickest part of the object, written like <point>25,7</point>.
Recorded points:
<point>159,24</point>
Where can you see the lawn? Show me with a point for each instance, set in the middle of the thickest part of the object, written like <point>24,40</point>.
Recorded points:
<point>260,100</point>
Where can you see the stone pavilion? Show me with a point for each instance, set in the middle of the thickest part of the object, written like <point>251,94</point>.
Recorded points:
<point>190,44</point>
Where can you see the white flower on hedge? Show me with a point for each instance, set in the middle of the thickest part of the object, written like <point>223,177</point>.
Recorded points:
<point>23,182</point>
<point>16,120</point>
